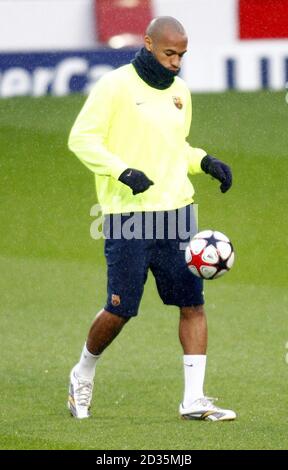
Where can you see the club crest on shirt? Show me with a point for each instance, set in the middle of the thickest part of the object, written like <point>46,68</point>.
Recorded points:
<point>115,300</point>
<point>178,102</point>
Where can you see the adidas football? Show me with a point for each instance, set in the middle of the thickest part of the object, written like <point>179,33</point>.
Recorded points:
<point>209,254</point>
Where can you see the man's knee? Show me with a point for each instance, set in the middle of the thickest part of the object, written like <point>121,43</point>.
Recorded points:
<point>193,311</point>
<point>113,318</point>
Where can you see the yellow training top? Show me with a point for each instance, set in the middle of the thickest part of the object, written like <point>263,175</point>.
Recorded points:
<point>126,123</point>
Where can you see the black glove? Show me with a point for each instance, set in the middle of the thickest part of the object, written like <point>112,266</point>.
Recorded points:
<point>136,180</point>
<point>218,170</point>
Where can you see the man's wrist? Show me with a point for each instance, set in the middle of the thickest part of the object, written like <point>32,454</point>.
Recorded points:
<point>205,163</point>
<point>118,170</point>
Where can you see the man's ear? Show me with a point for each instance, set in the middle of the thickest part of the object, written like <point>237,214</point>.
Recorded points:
<point>148,43</point>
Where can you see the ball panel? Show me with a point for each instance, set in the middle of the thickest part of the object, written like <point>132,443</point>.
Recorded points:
<point>224,249</point>
<point>208,271</point>
<point>196,246</point>
<point>210,254</point>
<point>188,255</point>
<point>220,236</point>
<point>220,273</point>
<point>194,270</point>
<point>230,260</point>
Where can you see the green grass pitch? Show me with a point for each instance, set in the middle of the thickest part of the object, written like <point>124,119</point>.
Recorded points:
<point>53,281</point>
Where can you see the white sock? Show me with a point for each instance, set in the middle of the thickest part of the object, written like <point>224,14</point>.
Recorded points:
<point>87,364</point>
<point>194,373</point>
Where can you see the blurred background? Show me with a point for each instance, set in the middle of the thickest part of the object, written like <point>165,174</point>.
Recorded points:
<point>53,274</point>
<point>60,46</point>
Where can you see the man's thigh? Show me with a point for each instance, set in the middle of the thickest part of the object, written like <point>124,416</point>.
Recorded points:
<point>127,268</point>
<point>175,283</point>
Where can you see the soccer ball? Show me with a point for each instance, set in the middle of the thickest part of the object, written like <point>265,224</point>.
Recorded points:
<point>209,254</point>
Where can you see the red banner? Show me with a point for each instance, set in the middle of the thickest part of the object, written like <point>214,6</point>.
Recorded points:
<point>119,17</point>
<point>263,19</point>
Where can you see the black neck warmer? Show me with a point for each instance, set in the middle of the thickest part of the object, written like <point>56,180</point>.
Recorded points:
<point>151,71</point>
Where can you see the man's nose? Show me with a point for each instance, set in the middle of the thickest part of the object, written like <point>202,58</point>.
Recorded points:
<point>176,60</point>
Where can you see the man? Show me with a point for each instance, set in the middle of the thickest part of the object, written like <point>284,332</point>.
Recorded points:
<point>132,134</point>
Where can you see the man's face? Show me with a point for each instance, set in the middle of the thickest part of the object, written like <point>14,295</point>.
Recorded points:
<point>168,49</point>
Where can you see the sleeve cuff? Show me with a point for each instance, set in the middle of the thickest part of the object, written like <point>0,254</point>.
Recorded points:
<point>118,169</point>
<point>195,158</point>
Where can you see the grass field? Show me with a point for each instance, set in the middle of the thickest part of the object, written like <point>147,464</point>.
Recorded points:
<point>53,281</point>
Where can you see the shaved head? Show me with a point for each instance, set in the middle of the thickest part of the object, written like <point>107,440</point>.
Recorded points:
<point>166,39</point>
<point>164,25</point>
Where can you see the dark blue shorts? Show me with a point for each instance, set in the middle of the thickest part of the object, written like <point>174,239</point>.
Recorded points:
<point>128,262</point>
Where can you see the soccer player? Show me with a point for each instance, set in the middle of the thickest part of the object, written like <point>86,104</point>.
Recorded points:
<point>131,133</point>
